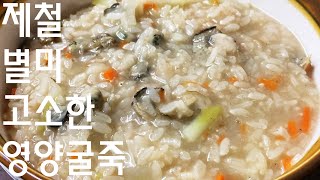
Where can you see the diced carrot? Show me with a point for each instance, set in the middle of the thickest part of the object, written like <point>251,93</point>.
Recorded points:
<point>13,91</point>
<point>205,85</point>
<point>74,157</point>
<point>286,162</point>
<point>110,74</point>
<point>220,176</point>
<point>220,139</point>
<point>232,79</point>
<point>243,128</point>
<point>280,138</point>
<point>149,6</point>
<point>68,55</point>
<point>271,84</point>
<point>162,95</point>
<point>306,119</point>
<point>292,128</point>
<point>122,44</point>
<point>50,157</point>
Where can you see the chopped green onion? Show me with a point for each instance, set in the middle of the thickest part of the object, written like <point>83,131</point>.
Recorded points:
<point>202,122</point>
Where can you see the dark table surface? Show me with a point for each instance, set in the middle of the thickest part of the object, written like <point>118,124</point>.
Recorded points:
<point>314,175</point>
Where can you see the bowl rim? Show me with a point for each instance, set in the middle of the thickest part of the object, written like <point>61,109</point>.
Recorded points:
<point>310,159</point>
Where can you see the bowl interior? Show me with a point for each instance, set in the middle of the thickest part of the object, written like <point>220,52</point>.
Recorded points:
<point>284,12</point>
<point>303,25</point>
